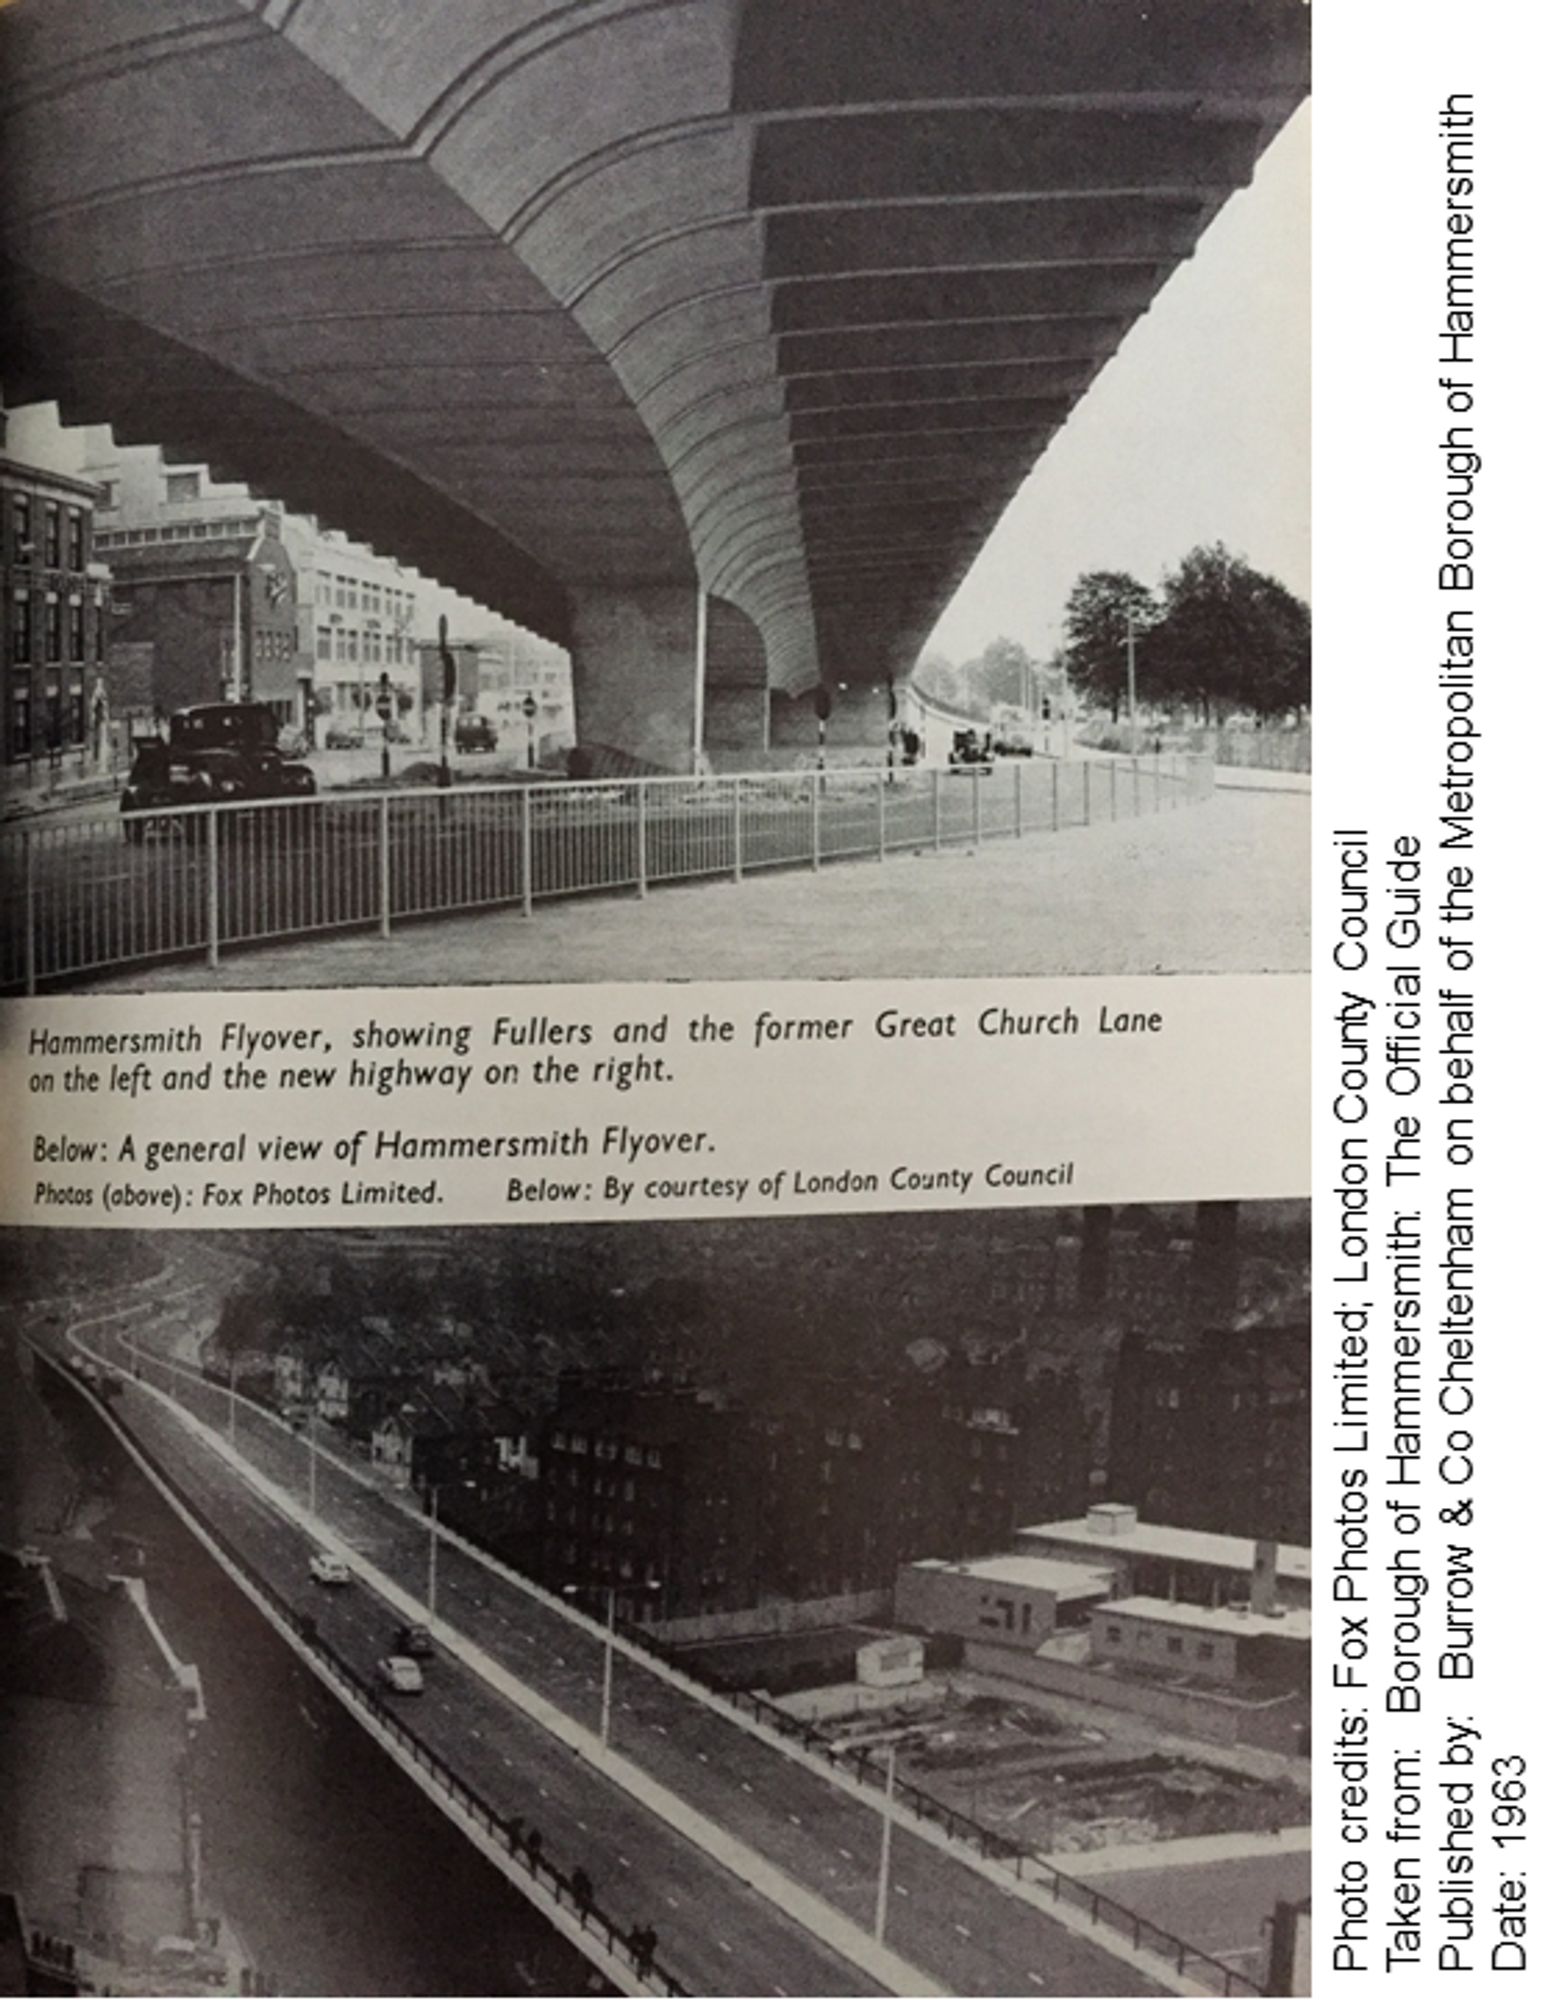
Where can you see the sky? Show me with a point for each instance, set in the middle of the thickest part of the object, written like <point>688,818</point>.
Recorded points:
<point>1196,431</point>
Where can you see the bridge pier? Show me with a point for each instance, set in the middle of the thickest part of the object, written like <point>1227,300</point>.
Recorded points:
<point>737,695</point>
<point>638,674</point>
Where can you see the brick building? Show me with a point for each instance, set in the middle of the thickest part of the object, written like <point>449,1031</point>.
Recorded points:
<point>1212,1429</point>
<point>56,615</point>
<point>688,1500</point>
<point>207,611</point>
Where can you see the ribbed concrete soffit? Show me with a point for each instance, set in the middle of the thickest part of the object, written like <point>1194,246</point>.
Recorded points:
<point>792,292</point>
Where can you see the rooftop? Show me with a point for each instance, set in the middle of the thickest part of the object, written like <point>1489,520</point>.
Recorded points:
<point>1228,1619</point>
<point>1188,1545</point>
<point>1050,1573</point>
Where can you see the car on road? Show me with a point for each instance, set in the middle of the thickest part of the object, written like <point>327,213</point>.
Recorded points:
<point>475,732</point>
<point>415,1642</point>
<point>399,1674</point>
<point>216,753</point>
<point>326,1568</point>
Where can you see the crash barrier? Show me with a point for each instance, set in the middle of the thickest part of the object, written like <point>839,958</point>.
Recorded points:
<point>105,890</point>
<point>571,1895</point>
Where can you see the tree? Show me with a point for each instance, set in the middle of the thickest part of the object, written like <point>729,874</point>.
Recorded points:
<point>1231,638</point>
<point>1001,677</point>
<point>939,680</point>
<point>1096,618</point>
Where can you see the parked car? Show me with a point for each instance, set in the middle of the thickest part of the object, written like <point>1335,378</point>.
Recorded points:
<point>475,732</point>
<point>213,754</point>
<point>400,1675</point>
<point>415,1642</point>
<point>343,736</point>
<point>326,1568</point>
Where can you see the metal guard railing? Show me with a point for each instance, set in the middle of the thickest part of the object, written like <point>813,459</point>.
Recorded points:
<point>107,890</point>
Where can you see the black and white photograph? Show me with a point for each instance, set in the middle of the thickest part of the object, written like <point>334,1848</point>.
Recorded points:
<point>844,1604</point>
<point>714,489</point>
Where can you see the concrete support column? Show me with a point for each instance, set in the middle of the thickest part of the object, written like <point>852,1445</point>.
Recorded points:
<point>737,699</point>
<point>737,718</point>
<point>638,675</point>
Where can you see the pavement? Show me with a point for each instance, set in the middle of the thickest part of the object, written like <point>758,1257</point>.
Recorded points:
<point>1221,888</point>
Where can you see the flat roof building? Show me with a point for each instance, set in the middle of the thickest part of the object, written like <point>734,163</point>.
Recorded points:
<point>1151,1559</point>
<point>1203,1642</point>
<point>1007,1600</point>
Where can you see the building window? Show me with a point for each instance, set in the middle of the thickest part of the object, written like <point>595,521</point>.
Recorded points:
<point>182,487</point>
<point>51,628</point>
<point>78,630</point>
<point>1205,1649</point>
<point>322,643</point>
<point>51,533</point>
<point>108,495</point>
<point>78,539</point>
<point>1175,1645</point>
<point>21,529</point>
<point>22,629</point>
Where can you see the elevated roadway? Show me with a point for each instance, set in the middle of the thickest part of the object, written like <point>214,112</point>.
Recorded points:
<point>709,338</point>
<point>813,1839</point>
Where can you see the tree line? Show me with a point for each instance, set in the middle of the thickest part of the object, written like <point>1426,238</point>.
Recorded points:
<point>1217,639</point>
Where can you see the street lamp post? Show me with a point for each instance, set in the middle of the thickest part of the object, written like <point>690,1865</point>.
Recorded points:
<point>314,1477</point>
<point>881,1914</point>
<point>433,1551</point>
<point>604,1727</point>
<point>1132,681</point>
<point>612,1616</point>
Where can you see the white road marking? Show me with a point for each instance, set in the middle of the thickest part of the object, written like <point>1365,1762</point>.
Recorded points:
<point>963,1931</point>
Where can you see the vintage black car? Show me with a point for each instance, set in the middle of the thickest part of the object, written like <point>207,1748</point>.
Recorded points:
<point>214,754</point>
<point>475,732</point>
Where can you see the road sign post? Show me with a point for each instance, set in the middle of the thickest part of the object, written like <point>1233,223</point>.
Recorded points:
<point>385,708</point>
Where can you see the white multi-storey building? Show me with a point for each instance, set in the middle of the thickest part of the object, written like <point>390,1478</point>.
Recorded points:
<point>358,615</point>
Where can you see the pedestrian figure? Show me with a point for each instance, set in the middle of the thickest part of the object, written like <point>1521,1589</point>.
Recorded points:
<point>580,1887</point>
<point>534,1848</point>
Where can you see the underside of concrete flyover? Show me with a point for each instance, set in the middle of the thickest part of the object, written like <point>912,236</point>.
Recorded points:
<point>594,307</point>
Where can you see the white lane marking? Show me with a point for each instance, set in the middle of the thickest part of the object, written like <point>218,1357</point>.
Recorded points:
<point>846,1852</point>
<point>724,1946</point>
<point>963,1930</point>
<point>746,1786</point>
<point>900,1889</point>
<point>1035,1979</point>
<point>623,1861</point>
<point>794,1819</point>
